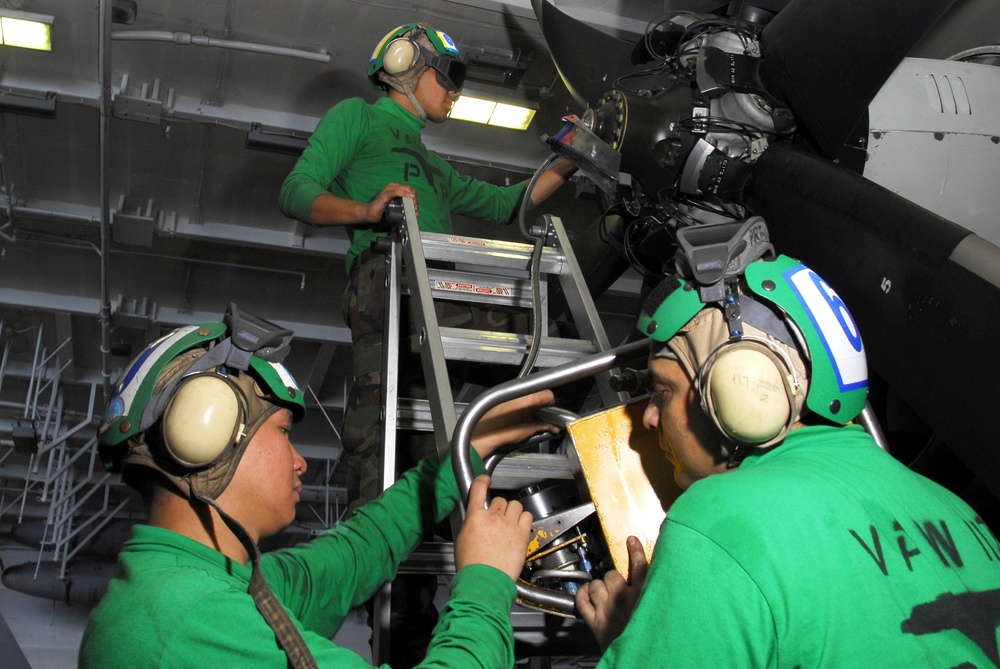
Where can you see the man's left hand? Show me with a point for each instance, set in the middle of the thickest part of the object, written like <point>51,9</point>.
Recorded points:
<point>511,422</point>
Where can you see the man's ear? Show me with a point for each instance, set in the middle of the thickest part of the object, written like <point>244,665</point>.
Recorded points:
<point>718,446</point>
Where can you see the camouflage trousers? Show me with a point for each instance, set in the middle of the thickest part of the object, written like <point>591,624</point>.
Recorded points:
<point>364,312</point>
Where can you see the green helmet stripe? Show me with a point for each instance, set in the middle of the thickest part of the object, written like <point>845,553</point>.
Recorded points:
<point>838,380</point>
<point>279,384</point>
<point>672,314</point>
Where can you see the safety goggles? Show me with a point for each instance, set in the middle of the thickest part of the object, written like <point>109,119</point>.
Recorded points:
<point>450,72</point>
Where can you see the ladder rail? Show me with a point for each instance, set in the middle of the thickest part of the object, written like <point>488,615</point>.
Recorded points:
<point>390,370</point>
<point>432,356</point>
<point>381,609</point>
<point>581,305</point>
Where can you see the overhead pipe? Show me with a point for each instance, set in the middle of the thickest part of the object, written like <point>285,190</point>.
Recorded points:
<point>52,215</point>
<point>104,56</point>
<point>17,405</point>
<point>186,39</point>
<point>232,265</point>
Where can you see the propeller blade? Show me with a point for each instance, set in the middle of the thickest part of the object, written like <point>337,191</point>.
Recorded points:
<point>924,291</point>
<point>828,58</point>
<point>588,60</point>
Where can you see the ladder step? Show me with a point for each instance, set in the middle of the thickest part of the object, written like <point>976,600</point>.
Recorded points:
<point>490,253</point>
<point>484,289</point>
<point>412,414</point>
<point>430,557</point>
<point>509,349</point>
<point>515,471</point>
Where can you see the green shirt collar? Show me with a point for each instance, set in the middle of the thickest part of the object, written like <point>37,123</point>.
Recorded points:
<point>392,107</point>
<point>802,438</point>
<point>149,537</point>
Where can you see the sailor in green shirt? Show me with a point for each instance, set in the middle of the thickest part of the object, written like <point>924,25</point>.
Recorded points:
<point>359,157</point>
<point>798,541</point>
<point>362,155</point>
<point>199,424</point>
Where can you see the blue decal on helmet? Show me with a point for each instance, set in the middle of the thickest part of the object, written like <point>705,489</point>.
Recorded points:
<point>833,323</point>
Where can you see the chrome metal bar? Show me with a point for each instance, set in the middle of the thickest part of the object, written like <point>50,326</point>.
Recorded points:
<point>868,421</point>
<point>550,378</point>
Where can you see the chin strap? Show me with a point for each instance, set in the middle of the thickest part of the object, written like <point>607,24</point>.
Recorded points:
<point>289,638</point>
<point>413,101</point>
<point>407,85</point>
<point>736,455</point>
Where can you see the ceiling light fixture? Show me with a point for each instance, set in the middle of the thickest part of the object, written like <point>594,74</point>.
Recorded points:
<point>481,109</point>
<point>495,66</point>
<point>43,105</point>
<point>26,30</point>
<point>273,141</point>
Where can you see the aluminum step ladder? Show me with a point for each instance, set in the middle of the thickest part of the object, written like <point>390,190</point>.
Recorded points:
<point>488,272</point>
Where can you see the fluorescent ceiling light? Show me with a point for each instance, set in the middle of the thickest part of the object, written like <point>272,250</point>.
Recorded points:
<point>490,112</point>
<point>26,30</point>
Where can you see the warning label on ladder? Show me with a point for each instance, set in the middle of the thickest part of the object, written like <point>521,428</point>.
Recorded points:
<point>469,287</point>
<point>488,243</point>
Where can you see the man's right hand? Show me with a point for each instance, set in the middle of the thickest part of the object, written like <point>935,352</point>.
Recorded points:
<point>511,422</point>
<point>376,208</point>
<point>496,535</point>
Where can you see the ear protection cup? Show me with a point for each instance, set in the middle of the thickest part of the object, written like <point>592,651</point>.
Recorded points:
<point>401,55</point>
<point>747,389</point>
<point>205,415</point>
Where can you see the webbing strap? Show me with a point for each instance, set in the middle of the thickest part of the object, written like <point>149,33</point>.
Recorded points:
<point>289,638</point>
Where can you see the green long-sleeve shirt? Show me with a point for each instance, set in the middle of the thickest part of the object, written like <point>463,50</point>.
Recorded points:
<point>178,603</point>
<point>822,552</point>
<point>358,148</point>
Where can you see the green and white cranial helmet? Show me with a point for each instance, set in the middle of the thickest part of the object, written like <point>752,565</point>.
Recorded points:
<point>732,292</point>
<point>188,405</point>
<point>403,54</point>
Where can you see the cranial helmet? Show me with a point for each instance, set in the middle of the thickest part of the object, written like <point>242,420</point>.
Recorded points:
<point>762,337</point>
<point>190,403</point>
<point>402,55</point>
